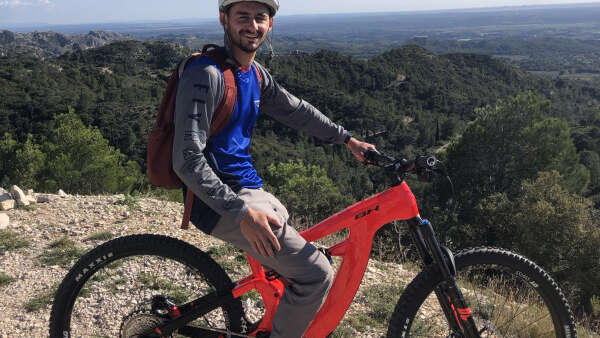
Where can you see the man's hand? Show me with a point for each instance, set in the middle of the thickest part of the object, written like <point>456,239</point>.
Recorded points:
<point>255,226</point>
<point>358,148</point>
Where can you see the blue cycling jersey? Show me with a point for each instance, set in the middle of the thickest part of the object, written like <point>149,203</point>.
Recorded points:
<point>230,147</point>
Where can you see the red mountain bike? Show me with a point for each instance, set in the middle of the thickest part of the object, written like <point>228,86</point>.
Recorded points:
<point>155,286</point>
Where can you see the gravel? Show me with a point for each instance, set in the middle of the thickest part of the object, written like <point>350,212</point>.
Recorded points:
<point>78,218</point>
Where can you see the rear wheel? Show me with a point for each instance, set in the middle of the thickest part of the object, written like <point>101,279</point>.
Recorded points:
<point>110,290</point>
<point>508,296</point>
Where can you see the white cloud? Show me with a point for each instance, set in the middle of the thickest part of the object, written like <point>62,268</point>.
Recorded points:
<point>14,3</point>
<point>19,3</point>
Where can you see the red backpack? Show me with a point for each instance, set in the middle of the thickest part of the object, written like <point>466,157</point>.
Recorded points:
<point>159,158</point>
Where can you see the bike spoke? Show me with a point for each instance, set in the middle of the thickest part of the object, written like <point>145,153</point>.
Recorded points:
<point>535,322</point>
<point>525,306</point>
<point>512,315</point>
<point>502,307</point>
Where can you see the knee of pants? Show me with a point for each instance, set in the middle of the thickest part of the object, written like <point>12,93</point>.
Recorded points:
<point>320,274</point>
<point>319,286</point>
<point>327,275</point>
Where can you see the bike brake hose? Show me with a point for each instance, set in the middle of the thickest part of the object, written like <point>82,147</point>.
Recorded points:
<point>444,172</point>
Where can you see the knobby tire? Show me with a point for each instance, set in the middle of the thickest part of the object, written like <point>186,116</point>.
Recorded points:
<point>508,296</point>
<point>148,265</point>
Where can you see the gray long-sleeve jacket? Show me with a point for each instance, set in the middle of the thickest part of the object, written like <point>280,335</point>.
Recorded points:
<point>199,92</point>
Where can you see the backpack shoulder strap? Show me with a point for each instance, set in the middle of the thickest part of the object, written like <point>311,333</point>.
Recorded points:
<point>186,62</point>
<point>224,110</point>
<point>259,77</point>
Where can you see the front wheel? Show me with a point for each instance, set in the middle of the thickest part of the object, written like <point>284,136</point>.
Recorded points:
<point>110,290</point>
<point>508,296</point>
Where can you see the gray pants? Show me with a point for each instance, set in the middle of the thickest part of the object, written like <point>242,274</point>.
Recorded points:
<point>298,261</point>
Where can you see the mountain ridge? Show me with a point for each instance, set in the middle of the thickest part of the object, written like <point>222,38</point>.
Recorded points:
<point>54,44</point>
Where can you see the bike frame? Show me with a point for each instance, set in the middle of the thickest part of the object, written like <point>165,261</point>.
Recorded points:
<point>362,219</point>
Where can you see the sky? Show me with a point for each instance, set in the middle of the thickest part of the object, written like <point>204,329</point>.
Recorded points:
<point>56,12</point>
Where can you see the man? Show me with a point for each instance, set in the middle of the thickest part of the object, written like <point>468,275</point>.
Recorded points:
<point>229,202</point>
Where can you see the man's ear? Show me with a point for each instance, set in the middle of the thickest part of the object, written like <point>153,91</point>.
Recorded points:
<point>271,19</point>
<point>222,18</point>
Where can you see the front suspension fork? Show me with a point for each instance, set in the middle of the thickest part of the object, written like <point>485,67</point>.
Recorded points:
<point>456,309</point>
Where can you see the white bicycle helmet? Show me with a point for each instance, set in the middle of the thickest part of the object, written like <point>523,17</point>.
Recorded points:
<point>273,4</point>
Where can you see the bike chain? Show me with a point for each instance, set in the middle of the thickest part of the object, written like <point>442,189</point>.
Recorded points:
<point>225,332</point>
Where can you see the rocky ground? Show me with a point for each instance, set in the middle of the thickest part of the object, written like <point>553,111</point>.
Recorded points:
<point>29,277</point>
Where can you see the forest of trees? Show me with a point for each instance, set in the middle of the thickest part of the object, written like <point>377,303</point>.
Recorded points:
<point>523,151</point>
<point>560,55</point>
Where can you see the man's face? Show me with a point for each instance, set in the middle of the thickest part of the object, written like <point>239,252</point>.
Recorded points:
<point>247,25</point>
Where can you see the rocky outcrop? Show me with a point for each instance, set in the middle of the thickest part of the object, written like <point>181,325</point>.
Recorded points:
<point>17,197</point>
<point>6,201</point>
<point>53,44</point>
<point>7,204</point>
<point>7,37</point>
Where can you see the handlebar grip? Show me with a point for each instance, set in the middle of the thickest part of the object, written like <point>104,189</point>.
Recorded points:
<point>372,156</point>
<point>376,158</point>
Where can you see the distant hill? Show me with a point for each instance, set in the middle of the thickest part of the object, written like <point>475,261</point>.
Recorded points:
<point>367,35</point>
<point>53,44</point>
<point>557,56</point>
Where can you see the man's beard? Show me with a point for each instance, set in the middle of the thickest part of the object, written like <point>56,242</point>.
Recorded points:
<point>248,48</point>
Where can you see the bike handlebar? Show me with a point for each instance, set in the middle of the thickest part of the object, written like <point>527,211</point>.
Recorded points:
<point>421,165</point>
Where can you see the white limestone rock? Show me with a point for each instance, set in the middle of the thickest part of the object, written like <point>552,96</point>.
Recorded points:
<point>6,200</point>
<point>30,196</point>
<point>61,193</point>
<point>7,205</point>
<point>4,221</point>
<point>19,196</point>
